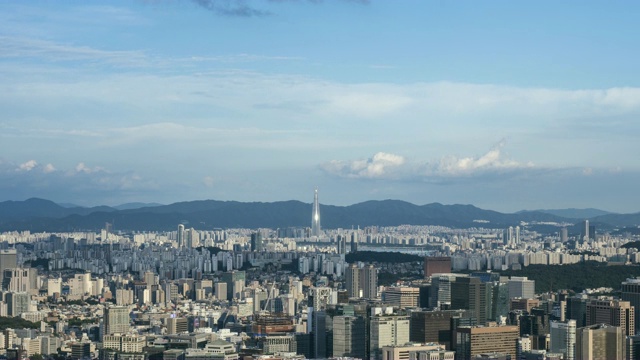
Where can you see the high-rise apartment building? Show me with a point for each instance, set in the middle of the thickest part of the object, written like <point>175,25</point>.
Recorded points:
<point>352,280</point>
<point>362,282</point>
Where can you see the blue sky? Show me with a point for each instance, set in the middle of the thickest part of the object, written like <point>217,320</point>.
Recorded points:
<point>505,105</point>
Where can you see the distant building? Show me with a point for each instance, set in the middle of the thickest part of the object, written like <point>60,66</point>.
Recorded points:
<point>600,342</point>
<point>256,241</point>
<point>521,287</point>
<point>631,293</point>
<point>612,312</point>
<point>8,259</point>
<point>402,297</point>
<point>349,336</point>
<point>362,282</point>
<point>116,320</point>
<point>563,338</point>
<point>436,265</point>
<point>473,341</point>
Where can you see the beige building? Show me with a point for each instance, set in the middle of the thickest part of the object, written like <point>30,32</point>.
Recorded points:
<point>476,340</point>
<point>600,342</point>
<point>388,330</point>
<point>403,297</point>
<point>404,352</point>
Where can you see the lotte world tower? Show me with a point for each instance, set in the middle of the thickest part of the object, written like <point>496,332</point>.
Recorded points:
<point>315,215</point>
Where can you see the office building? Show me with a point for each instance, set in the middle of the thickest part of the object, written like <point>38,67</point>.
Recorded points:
<point>349,336</point>
<point>631,292</point>
<point>402,297</point>
<point>521,287</point>
<point>415,352</point>
<point>256,241</point>
<point>438,326</point>
<point>576,309</point>
<point>600,341</point>
<point>563,338</point>
<point>235,281</point>
<point>20,280</point>
<point>470,293</point>
<point>387,330</point>
<point>177,325</point>
<point>612,312</point>
<point>473,341</point>
<point>116,320</point>
<point>180,236</point>
<point>8,259</point>
<point>17,303</point>
<point>436,265</point>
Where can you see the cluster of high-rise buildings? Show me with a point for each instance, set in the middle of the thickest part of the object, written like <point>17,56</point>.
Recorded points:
<point>294,293</point>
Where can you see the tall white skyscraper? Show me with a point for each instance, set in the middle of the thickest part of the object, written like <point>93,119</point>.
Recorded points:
<point>315,215</point>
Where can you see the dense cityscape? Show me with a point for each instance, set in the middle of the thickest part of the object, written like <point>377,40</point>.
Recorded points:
<point>319,179</point>
<point>390,293</point>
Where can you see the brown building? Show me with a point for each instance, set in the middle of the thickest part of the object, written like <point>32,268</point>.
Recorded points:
<point>612,312</point>
<point>437,326</point>
<point>273,323</point>
<point>523,304</point>
<point>436,265</point>
<point>473,341</point>
<point>403,297</point>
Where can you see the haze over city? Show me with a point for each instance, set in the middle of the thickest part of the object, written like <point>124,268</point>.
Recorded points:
<point>504,105</point>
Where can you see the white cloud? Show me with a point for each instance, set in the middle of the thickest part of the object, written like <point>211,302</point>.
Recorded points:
<point>493,160</point>
<point>28,166</point>
<point>380,165</point>
<point>389,166</point>
<point>81,168</point>
<point>49,168</point>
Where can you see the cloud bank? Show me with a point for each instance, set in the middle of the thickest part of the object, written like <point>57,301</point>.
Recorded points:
<point>396,167</point>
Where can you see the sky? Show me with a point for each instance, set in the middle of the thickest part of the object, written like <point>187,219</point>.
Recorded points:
<point>506,105</point>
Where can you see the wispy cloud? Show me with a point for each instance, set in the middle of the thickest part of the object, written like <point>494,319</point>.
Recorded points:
<point>32,48</point>
<point>231,8</point>
<point>246,8</point>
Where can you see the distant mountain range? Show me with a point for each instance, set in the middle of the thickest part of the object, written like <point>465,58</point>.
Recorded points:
<point>572,213</point>
<point>44,215</point>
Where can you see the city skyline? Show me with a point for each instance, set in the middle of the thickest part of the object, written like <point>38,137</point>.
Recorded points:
<point>504,106</point>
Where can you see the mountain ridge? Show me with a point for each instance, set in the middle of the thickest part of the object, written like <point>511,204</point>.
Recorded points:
<point>44,215</point>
